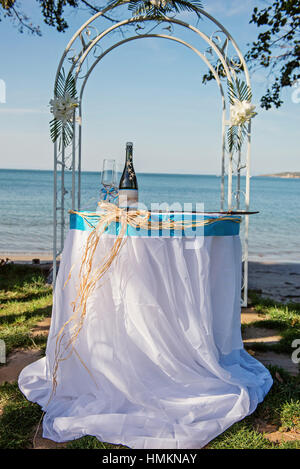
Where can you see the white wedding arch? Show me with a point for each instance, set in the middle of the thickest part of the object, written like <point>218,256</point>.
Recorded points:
<point>213,44</point>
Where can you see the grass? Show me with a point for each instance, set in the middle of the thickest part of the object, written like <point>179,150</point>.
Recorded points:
<point>281,408</point>
<point>290,416</point>
<point>283,317</point>
<point>91,442</point>
<point>18,418</point>
<point>277,405</point>
<point>241,436</point>
<point>25,299</point>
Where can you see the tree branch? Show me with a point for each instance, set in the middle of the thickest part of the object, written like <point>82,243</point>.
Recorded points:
<point>97,10</point>
<point>22,21</point>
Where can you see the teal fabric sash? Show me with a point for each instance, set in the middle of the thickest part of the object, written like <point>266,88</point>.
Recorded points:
<point>218,228</point>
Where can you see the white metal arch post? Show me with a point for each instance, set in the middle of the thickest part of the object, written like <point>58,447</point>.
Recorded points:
<point>217,53</point>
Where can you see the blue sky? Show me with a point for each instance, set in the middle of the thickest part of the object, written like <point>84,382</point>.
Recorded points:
<point>148,92</point>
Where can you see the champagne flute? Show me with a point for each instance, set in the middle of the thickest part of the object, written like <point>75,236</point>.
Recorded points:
<point>108,180</point>
<point>108,174</point>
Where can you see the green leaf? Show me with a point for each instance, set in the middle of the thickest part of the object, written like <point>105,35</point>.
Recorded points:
<point>147,9</point>
<point>235,136</point>
<point>64,84</point>
<point>238,90</point>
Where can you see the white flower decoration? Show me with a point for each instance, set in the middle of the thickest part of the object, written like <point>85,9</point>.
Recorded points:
<point>62,107</point>
<point>241,112</point>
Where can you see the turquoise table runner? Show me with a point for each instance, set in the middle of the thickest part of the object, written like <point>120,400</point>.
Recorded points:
<point>218,228</point>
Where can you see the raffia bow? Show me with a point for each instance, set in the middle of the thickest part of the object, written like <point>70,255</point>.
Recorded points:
<point>90,274</point>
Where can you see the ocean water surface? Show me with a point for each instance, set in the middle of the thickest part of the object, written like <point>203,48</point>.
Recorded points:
<point>26,208</point>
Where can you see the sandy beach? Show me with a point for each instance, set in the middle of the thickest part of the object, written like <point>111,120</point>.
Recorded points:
<point>278,281</point>
<point>26,258</point>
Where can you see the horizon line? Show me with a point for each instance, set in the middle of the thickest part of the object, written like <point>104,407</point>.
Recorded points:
<point>147,173</point>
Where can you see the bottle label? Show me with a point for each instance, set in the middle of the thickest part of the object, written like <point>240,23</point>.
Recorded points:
<point>128,198</point>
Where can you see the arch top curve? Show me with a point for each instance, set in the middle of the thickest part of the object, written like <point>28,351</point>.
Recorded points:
<point>162,36</point>
<point>220,48</point>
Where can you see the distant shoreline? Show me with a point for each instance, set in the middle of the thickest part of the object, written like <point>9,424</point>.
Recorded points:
<point>285,175</point>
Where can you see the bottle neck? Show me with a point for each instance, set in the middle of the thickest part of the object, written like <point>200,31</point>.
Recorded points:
<point>129,153</point>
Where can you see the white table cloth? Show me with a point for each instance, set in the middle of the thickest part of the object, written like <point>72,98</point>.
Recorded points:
<point>164,364</point>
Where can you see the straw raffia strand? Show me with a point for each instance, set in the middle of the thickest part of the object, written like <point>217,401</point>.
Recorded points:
<point>90,275</point>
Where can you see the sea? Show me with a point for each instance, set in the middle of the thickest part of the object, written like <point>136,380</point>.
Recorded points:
<point>26,208</point>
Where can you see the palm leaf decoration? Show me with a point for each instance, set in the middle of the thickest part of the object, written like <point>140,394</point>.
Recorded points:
<point>235,137</point>
<point>63,85</point>
<point>157,10</point>
<point>237,91</point>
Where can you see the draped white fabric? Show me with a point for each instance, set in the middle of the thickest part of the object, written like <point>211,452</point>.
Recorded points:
<point>159,362</point>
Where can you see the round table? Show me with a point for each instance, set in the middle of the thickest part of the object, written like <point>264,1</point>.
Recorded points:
<point>159,361</point>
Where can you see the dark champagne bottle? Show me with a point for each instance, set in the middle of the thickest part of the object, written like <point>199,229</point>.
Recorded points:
<point>128,187</point>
